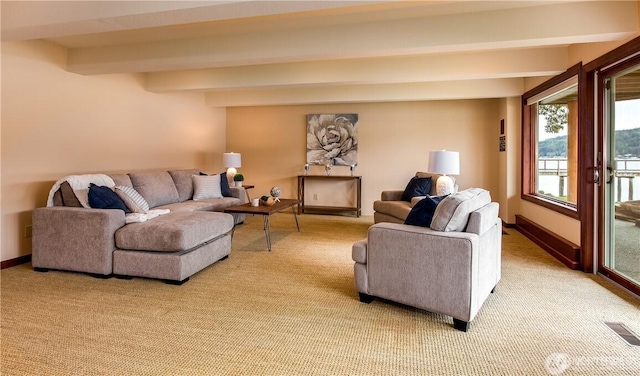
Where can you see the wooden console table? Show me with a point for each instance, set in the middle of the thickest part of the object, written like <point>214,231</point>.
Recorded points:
<point>302,208</point>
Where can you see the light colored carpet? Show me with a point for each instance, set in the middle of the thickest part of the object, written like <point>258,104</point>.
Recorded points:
<point>295,311</point>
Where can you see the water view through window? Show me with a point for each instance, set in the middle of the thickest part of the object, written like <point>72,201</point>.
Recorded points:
<point>557,157</point>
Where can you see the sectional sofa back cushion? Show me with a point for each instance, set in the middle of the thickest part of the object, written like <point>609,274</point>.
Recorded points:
<point>121,179</point>
<point>452,214</point>
<point>68,197</point>
<point>184,183</point>
<point>157,188</point>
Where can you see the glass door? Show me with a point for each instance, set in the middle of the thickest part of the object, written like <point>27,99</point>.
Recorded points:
<point>620,188</point>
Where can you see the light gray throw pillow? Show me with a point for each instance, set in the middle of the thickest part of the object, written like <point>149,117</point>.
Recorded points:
<point>206,187</point>
<point>134,201</point>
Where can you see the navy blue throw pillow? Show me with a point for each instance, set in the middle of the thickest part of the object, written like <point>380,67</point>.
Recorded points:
<point>105,198</point>
<point>417,187</point>
<point>224,185</point>
<point>422,212</point>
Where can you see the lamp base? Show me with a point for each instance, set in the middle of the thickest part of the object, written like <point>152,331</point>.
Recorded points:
<point>231,171</point>
<point>444,185</point>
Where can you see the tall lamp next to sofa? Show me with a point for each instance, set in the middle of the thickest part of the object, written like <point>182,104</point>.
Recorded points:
<point>445,163</point>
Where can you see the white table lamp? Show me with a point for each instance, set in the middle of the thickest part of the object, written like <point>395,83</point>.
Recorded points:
<point>445,163</point>
<point>231,161</point>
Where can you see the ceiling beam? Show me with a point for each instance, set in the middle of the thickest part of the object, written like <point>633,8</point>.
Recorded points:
<point>24,20</point>
<point>422,91</point>
<point>425,68</point>
<point>557,24</point>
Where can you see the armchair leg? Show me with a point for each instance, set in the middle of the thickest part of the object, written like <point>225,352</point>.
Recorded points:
<point>493,289</point>
<point>364,298</point>
<point>460,325</point>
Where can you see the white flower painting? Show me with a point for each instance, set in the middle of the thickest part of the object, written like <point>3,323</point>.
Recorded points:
<point>332,139</point>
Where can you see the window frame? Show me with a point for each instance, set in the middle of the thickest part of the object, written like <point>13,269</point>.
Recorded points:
<point>529,146</point>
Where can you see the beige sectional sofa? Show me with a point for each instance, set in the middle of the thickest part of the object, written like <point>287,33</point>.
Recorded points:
<point>170,247</point>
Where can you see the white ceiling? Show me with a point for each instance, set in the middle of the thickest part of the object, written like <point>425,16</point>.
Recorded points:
<point>294,52</point>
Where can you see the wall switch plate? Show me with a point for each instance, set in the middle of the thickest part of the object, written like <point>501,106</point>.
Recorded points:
<point>315,196</point>
<point>28,231</point>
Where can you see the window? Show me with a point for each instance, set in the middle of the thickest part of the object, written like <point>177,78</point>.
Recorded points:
<point>550,143</point>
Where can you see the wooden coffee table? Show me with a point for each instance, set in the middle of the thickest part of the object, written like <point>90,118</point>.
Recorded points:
<point>266,212</point>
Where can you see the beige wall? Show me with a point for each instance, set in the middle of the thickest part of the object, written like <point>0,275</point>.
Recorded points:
<point>509,160</point>
<point>56,123</point>
<point>394,143</point>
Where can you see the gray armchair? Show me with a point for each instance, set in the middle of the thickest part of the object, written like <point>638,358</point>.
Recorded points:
<point>450,268</point>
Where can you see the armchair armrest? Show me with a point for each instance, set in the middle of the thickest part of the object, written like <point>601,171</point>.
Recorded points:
<point>77,239</point>
<point>395,195</point>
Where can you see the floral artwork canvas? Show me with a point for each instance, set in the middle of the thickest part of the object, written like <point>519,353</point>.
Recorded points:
<point>332,139</point>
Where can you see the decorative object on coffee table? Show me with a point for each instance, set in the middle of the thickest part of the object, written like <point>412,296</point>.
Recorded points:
<point>238,179</point>
<point>267,201</point>
<point>275,193</point>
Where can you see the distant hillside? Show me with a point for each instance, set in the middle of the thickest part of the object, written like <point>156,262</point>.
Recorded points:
<point>627,144</point>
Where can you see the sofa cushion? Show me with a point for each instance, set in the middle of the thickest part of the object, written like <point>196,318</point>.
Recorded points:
<point>416,187</point>
<point>105,198</point>
<point>452,214</point>
<point>121,179</point>
<point>157,188</point>
<point>398,209</point>
<point>206,187</point>
<point>184,183</point>
<point>134,201</point>
<point>68,196</point>
<point>174,232</point>
<point>57,198</point>
<point>217,204</point>
<point>422,212</point>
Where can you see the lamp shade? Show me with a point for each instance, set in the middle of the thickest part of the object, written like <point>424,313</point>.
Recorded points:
<point>444,162</point>
<point>232,160</point>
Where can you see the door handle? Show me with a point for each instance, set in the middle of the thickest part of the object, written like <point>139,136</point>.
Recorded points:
<point>596,170</point>
<point>610,174</point>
